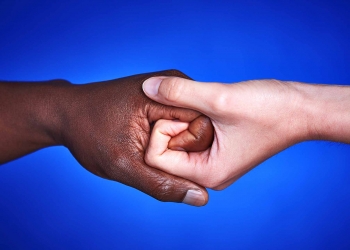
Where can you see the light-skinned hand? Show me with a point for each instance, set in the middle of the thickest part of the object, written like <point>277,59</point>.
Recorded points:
<point>252,120</point>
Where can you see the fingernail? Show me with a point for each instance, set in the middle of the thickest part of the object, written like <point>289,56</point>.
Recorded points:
<point>194,198</point>
<point>151,85</point>
<point>178,149</point>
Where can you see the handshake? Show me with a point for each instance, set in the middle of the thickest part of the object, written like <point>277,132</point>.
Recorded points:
<point>166,135</point>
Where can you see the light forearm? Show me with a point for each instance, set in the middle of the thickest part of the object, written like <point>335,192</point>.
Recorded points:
<point>328,108</point>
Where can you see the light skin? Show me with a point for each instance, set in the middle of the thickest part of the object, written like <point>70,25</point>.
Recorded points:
<point>105,125</point>
<point>253,121</point>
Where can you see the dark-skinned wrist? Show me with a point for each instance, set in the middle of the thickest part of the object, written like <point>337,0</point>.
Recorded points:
<point>59,100</point>
<point>31,116</point>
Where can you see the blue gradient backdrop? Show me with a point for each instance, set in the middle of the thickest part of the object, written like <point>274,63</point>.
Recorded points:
<point>299,199</point>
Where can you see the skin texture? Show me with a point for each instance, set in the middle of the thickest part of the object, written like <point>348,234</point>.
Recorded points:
<point>253,121</point>
<point>106,126</point>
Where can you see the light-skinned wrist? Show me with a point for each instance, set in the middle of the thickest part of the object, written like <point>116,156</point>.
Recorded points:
<point>327,110</point>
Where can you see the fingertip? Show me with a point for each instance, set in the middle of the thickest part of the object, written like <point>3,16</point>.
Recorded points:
<point>151,85</point>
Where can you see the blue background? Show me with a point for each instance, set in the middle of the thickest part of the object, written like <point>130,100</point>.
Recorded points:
<point>299,199</point>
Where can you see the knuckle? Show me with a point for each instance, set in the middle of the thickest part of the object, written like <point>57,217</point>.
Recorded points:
<point>216,182</point>
<point>171,88</point>
<point>151,159</point>
<point>220,102</point>
<point>161,123</point>
<point>205,132</point>
<point>176,72</point>
<point>148,158</point>
<point>212,184</point>
<point>162,189</point>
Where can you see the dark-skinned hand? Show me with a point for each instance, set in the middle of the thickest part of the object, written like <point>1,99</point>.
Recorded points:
<point>106,126</point>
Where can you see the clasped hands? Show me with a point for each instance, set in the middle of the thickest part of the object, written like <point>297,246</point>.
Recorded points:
<point>108,131</point>
<point>170,141</point>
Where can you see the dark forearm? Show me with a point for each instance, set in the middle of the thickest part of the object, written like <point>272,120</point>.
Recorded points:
<point>30,115</point>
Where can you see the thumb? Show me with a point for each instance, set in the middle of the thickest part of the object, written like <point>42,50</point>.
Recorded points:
<point>184,93</point>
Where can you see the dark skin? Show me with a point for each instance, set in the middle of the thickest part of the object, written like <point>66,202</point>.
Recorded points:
<point>105,125</point>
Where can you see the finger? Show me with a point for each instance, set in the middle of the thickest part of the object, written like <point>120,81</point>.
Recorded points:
<point>169,188</point>
<point>175,91</point>
<point>198,137</point>
<point>162,186</point>
<point>158,154</point>
<point>162,132</point>
<point>201,132</point>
